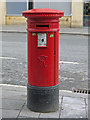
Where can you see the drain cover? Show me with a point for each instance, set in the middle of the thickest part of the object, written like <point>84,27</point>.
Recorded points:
<point>82,91</point>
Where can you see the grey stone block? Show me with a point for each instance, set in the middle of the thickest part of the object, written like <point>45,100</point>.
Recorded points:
<point>66,93</point>
<point>26,113</point>
<point>73,108</point>
<point>72,112</point>
<point>0,114</point>
<point>14,95</point>
<point>12,104</point>
<point>10,113</point>
<point>14,88</point>
<point>73,100</point>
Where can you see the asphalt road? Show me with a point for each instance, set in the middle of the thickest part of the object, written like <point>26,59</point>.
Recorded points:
<point>73,72</point>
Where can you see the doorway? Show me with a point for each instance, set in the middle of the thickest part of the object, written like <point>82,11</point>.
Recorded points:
<point>86,16</point>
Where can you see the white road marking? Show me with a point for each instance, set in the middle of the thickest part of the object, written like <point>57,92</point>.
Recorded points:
<point>62,62</point>
<point>65,62</point>
<point>12,85</point>
<point>9,58</point>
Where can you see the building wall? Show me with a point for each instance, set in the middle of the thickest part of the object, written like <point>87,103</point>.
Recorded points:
<point>14,13</point>
<point>77,14</point>
<point>15,20</point>
<point>73,12</point>
<point>2,11</point>
<point>65,21</point>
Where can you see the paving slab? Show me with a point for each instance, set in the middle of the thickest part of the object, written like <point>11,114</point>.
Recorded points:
<point>26,113</point>
<point>73,108</point>
<point>72,94</point>
<point>14,95</point>
<point>15,105</point>
<point>72,100</point>
<point>13,87</point>
<point>10,113</point>
<point>9,104</point>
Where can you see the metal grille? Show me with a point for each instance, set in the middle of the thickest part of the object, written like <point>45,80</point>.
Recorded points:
<point>84,91</point>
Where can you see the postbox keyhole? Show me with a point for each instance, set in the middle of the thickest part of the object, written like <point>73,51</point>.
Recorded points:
<point>42,40</point>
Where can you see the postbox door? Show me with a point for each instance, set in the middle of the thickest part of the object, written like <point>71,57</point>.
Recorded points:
<point>41,58</point>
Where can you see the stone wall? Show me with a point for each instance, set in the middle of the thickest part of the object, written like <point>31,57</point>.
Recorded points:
<point>2,12</point>
<point>77,13</point>
<point>75,20</point>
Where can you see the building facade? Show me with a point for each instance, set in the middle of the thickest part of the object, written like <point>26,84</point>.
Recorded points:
<point>74,12</point>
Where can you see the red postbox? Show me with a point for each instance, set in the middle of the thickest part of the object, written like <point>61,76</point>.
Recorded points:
<point>43,52</point>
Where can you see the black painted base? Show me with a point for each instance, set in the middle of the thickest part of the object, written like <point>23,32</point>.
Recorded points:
<point>43,99</point>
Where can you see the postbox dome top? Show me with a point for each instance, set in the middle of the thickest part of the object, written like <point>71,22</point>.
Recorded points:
<point>43,12</point>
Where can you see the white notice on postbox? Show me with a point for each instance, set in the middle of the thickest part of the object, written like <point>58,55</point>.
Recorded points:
<point>42,39</point>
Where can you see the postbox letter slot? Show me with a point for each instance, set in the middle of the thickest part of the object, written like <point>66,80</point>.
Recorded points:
<point>42,25</point>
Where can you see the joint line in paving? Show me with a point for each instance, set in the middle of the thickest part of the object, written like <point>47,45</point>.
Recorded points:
<point>61,106</point>
<point>21,109</point>
<point>39,116</point>
<point>86,108</point>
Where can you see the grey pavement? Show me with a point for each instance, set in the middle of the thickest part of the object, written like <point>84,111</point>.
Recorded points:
<point>22,29</point>
<point>14,105</point>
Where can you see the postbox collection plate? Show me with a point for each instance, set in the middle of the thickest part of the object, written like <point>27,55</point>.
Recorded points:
<point>42,39</point>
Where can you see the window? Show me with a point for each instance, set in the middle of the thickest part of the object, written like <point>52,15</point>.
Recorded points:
<point>30,4</point>
<point>87,8</point>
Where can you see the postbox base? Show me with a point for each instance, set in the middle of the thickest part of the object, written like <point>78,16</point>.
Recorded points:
<point>43,99</point>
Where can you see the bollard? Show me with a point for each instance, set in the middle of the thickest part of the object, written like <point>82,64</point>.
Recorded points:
<point>43,58</point>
